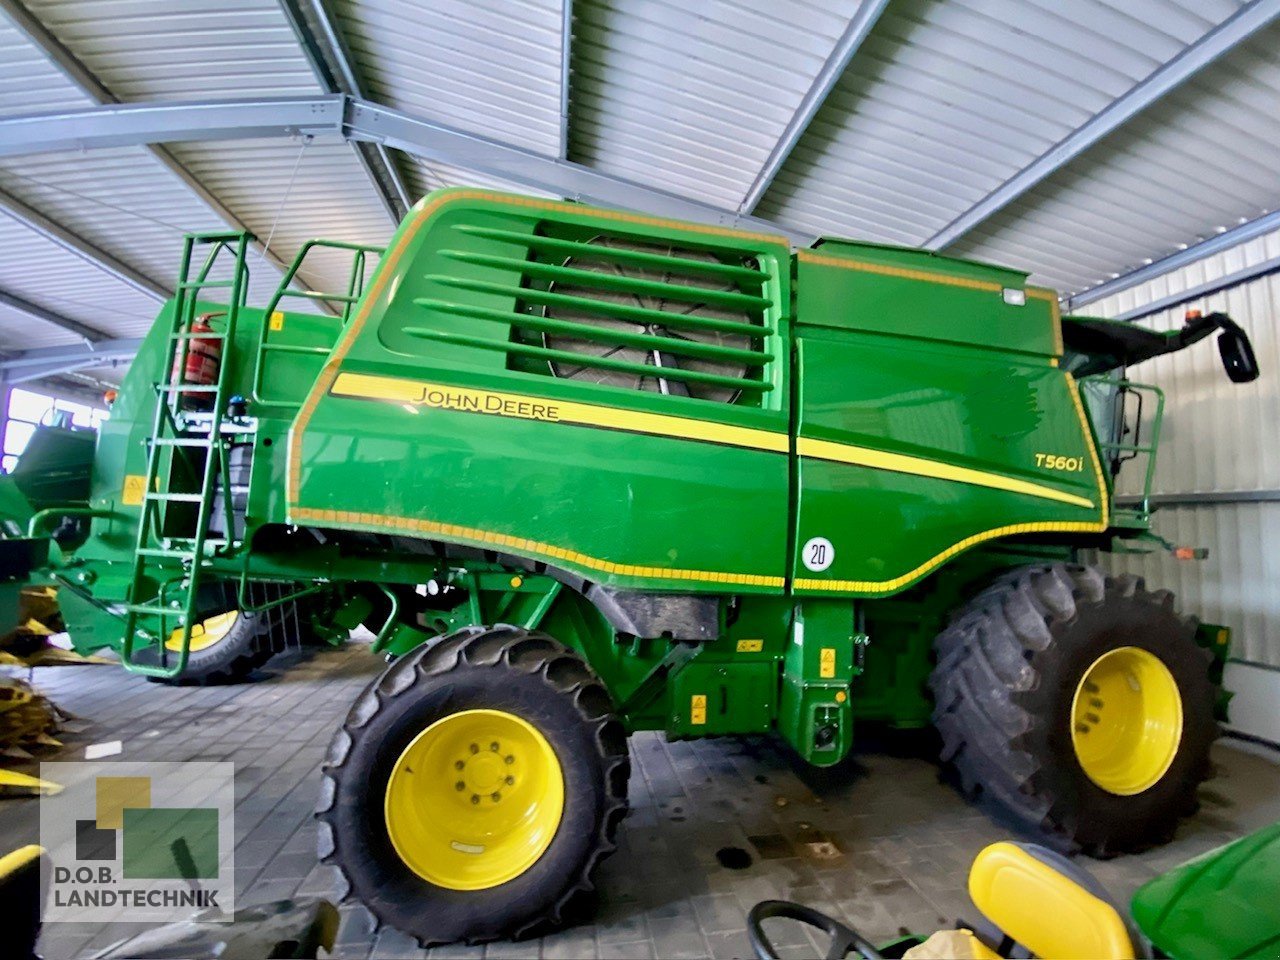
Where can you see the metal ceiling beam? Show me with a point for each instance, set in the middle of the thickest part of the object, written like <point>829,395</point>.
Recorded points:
<point>1197,251</point>
<point>832,70</point>
<point>566,71</point>
<point>51,361</point>
<point>435,141</point>
<point>124,124</point>
<point>135,124</point>
<point>333,66</point>
<point>84,78</point>
<point>37,312</point>
<point>82,248</point>
<point>1230,33</point>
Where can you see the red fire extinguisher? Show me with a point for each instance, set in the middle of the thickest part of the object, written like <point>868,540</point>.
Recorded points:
<point>204,356</point>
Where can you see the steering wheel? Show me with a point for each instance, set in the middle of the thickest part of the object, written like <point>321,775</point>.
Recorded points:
<point>844,941</point>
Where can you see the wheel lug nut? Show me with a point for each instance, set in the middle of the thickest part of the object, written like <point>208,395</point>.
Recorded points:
<point>495,796</point>
<point>475,748</point>
<point>458,764</point>
<point>494,746</point>
<point>460,786</point>
<point>475,798</point>
<point>510,781</point>
<point>509,759</point>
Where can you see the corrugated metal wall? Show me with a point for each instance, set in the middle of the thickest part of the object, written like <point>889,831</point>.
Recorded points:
<point>1219,437</point>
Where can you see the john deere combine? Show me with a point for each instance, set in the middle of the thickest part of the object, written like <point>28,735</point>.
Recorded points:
<point>584,472</point>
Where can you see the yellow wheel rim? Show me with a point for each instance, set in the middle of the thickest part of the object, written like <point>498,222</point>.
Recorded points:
<point>205,633</point>
<point>474,800</point>
<point>1126,720</point>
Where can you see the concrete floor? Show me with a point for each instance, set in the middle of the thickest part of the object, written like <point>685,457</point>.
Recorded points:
<point>878,842</point>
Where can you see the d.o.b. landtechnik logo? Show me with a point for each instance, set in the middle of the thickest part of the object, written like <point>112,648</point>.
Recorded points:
<point>139,841</point>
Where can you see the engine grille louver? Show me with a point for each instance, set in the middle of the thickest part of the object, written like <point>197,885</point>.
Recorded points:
<point>614,311</point>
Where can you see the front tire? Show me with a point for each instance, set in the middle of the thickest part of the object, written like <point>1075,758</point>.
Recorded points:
<point>413,786</point>
<point>1079,704</point>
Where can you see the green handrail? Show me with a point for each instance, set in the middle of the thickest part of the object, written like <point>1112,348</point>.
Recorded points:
<point>41,517</point>
<point>1151,448</point>
<point>354,290</point>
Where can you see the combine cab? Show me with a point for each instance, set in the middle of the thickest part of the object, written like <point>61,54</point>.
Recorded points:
<point>584,473</point>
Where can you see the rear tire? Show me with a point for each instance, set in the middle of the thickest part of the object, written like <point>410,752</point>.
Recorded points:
<point>245,647</point>
<point>252,640</point>
<point>499,670</point>
<point>1014,679</point>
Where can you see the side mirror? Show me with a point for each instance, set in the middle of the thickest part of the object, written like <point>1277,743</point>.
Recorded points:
<point>1237,355</point>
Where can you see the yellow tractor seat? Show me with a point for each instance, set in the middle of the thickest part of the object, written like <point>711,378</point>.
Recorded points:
<point>1048,905</point>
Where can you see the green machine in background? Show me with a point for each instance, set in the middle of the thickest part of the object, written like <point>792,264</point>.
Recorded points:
<point>585,472</point>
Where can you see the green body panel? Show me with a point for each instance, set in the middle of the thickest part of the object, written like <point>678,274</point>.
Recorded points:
<point>901,292</point>
<point>646,510</point>
<point>986,411</point>
<point>1224,904</point>
<point>908,408</point>
<point>620,507</point>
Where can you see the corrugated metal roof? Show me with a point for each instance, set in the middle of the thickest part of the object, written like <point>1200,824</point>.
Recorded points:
<point>120,200</point>
<point>691,98</point>
<point>29,83</point>
<point>291,192</point>
<point>943,103</point>
<point>206,49</point>
<point>49,276</point>
<point>946,101</point>
<point>131,205</point>
<point>186,50</point>
<point>1198,161</point>
<point>486,66</point>
<point>422,177</point>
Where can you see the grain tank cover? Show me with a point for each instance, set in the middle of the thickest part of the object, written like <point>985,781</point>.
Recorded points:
<point>902,291</point>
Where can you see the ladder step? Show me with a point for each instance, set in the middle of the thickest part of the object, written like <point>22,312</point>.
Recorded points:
<point>182,442</point>
<point>185,388</point>
<point>202,284</point>
<point>154,610</point>
<point>175,497</point>
<point>213,236</point>
<point>296,348</point>
<point>198,336</point>
<point>165,552</point>
<point>321,295</point>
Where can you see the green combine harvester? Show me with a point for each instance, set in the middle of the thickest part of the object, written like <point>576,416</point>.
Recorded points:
<point>584,472</point>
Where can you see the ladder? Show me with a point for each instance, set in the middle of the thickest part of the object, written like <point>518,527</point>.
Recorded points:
<point>166,572</point>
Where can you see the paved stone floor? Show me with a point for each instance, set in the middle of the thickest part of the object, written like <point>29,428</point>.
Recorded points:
<point>879,841</point>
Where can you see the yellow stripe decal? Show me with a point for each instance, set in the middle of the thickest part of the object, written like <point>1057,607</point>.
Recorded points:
<point>521,406</point>
<point>522,546</point>
<point>935,469</point>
